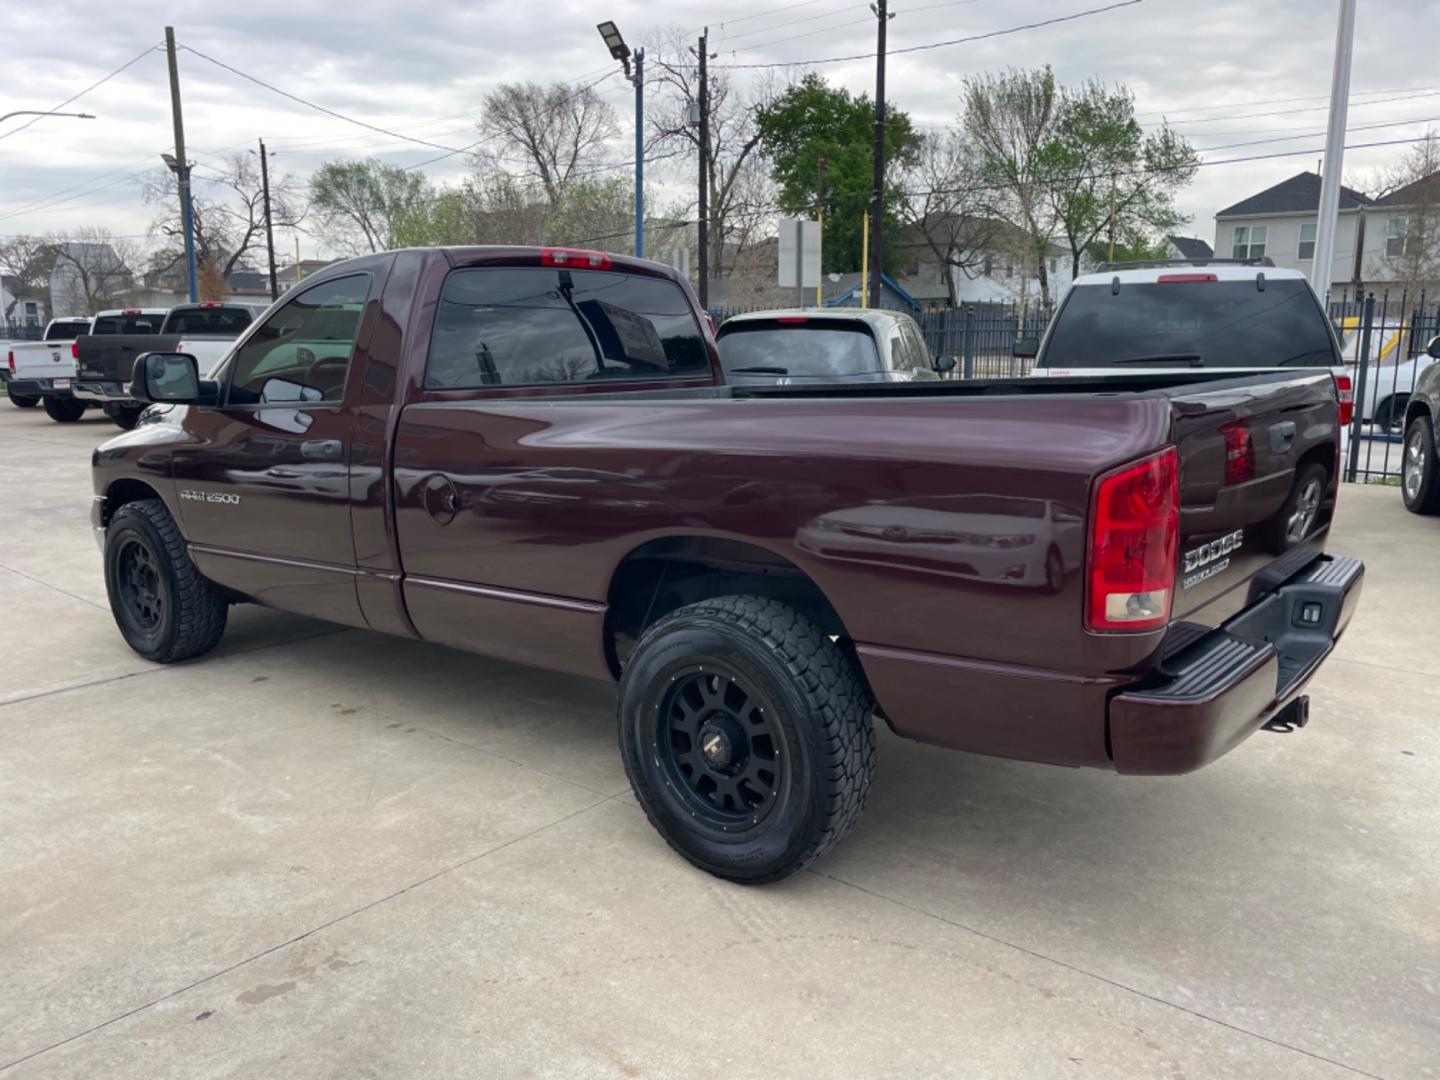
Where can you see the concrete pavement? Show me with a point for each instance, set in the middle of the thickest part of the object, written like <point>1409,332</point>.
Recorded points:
<point>321,852</point>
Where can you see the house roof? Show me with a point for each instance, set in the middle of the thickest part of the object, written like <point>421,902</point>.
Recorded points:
<point>1299,194</point>
<point>1192,247</point>
<point>1422,192</point>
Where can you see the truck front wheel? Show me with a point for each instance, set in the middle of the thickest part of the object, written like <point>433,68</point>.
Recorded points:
<point>126,416</point>
<point>746,734</point>
<point>65,410</point>
<point>165,610</point>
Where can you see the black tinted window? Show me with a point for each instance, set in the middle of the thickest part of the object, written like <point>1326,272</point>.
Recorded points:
<point>128,324</point>
<point>1225,323</point>
<point>220,321</point>
<point>507,326</point>
<point>301,353</point>
<point>815,347</point>
<point>64,331</point>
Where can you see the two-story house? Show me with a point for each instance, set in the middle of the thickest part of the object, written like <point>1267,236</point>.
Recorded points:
<point>1280,222</point>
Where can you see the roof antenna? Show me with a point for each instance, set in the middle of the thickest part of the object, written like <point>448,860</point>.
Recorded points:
<point>1260,281</point>
<point>1115,285</point>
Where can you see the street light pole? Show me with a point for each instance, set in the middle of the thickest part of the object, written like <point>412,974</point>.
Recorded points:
<point>1328,219</point>
<point>42,112</point>
<point>620,51</point>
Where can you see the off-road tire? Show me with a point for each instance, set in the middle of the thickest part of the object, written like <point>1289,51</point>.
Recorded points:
<point>126,418</point>
<point>64,410</point>
<point>21,401</point>
<point>1424,496</point>
<point>820,711</point>
<point>1274,532</point>
<point>192,619</point>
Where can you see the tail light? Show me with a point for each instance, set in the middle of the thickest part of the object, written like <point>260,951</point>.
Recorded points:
<point>1239,453</point>
<point>1178,279</point>
<point>1345,391</point>
<point>1134,537</point>
<point>574,257</point>
<point>74,350</point>
<point>10,361</point>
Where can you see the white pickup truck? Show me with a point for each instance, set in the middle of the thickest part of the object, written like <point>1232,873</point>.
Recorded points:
<point>44,370</point>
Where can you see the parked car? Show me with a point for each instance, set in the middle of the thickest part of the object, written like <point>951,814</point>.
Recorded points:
<point>106,357</point>
<point>1420,467</point>
<point>44,370</point>
<point>529,454</point>
<point>824,345</point>
<point>22,401</point>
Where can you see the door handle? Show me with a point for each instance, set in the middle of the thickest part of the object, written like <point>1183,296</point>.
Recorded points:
<point>1282,435</point>
<point>322,450</point>
<point>282,474</point>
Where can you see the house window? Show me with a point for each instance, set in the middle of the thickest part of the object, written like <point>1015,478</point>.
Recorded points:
<point>1307,241</point>
<point>1400,239</point>
<point>1053,265</point>
<point>989,265</point>
<point>1249,241</point>
<point>1009,271</point>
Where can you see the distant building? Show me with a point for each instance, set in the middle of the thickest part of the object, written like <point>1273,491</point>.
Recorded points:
<point>1187,247</point>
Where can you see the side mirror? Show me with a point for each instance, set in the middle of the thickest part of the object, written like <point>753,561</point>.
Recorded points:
<point>944,364</point>
<point>1433,349</point>
<point>170,378</point>
<point>1026,348</point>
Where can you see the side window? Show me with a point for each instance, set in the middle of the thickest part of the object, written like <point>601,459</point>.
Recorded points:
<point>919,349</point>
<point>301,353</point>
<point>517,326</point>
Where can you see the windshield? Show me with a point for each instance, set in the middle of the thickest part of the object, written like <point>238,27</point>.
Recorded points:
<point>1223,323</point>
<point>217,321</point>
<point>817,348</point>
<point>139,323</point>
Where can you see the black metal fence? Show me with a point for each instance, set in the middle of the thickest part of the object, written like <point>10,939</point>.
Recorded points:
<point>19,330</point>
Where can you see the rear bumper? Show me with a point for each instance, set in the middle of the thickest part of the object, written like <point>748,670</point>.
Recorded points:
<point>101,391</point>
<point>1223,688</point>
<point>44,387</point>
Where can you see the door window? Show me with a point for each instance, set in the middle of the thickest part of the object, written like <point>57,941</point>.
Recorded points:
<point>301,354</point>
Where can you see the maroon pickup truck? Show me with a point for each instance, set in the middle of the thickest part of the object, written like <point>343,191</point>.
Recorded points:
<point>529,453</point>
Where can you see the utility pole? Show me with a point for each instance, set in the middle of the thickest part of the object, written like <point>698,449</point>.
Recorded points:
<point>269,230</point>
<point>820,216</point>
<point>182,164</point>
<point>1321,268</point>
<point>704,214</point>
<point>639,80</point>
<point>877,208</point>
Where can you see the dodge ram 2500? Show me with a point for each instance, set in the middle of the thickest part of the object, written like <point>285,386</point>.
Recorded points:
<point>530,453</point>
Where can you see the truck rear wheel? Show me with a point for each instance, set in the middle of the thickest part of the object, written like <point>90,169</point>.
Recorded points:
<point>746,734</point>
<point>165,610</point>
<point>1296,519</point>
<point>21,401</point>
<point>65,410</point>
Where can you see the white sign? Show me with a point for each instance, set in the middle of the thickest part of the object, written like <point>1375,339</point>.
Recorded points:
<point>799,253</point>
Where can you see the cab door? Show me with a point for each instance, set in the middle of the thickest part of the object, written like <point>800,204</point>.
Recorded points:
<point>263,483</point>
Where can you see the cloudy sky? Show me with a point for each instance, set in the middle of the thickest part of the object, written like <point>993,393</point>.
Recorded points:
<point>1224,72</point>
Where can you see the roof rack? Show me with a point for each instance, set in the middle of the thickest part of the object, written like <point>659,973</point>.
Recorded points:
<point>1160,264</point>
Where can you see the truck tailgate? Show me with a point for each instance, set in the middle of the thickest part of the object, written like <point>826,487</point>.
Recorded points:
<point>111,357</point>
<point>1258,482</point>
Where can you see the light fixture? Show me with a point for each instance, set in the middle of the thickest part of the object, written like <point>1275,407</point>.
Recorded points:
<point>615,43</point>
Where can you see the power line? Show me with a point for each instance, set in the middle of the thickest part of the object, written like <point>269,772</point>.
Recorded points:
<point>1286,101</point>
<point>1313,134</point>
<point>133,60</point>
<point>1294,112</point>
<point>935,44</point>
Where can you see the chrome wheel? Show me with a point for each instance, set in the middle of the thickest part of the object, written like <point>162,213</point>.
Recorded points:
<point>1302,517</point>
<point>1413,469</point>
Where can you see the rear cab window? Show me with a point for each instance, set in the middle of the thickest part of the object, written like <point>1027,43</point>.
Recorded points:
<point>223,320</point>
<point>138,322</point>
<point>539,326</point>
<point>1227,324</point>
<point>65,329</point>
<point>801,346</point>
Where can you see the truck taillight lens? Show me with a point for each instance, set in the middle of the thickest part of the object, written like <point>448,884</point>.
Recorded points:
<point>10,362</point>
<point>74,350</point>
<point>577,258</point>
<point>1239,453</point>
<point>1345,391</point>
<point>1134,537</point>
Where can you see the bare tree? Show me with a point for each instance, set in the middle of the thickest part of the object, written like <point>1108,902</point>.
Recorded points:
<point>1411,242</point>
<point>943,204</point>
<point>366,206</point>
<point>30,260</point>
<point>556,130</point>
<point>738,186</point>
<point>228,211</point>
<point>93,270</point>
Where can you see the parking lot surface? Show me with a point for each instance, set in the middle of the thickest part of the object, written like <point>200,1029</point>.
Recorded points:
<point>323,852</point>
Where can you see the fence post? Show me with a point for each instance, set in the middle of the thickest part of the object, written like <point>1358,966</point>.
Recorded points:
<point>1367,322</point>
<point>967,345</point>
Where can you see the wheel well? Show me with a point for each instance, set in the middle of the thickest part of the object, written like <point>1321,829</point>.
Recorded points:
<point>1415,407</point>
<point>662,575</point>
<point>126,491</point>
<point>1322,455</point>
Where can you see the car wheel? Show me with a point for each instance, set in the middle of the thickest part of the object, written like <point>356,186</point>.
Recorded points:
<point>126,418</point>
<point>21,401</point>
<point>746,734</point>
<point>1054,571</point>
<point>64,410</point>
<point>165,610</point>
<point>1420,468</point>
<point>1390,413</point>
<point>1296,519</point>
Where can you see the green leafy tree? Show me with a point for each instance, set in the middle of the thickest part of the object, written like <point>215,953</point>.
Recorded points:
<point>810,118</point>
<point>1106,179</point>
<point>365,206</point>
